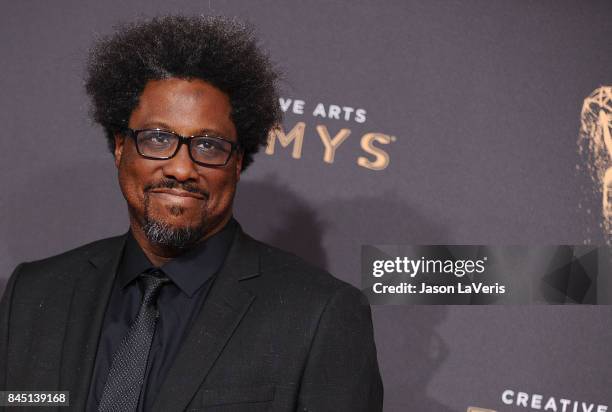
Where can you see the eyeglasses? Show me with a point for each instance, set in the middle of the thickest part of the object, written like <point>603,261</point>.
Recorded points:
<point>205,150</point>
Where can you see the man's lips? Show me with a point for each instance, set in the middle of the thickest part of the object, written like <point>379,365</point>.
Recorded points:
<point>179,193</point>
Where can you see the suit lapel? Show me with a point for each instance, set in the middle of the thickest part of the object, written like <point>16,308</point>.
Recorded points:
<point>221,313</point>
<point>92,289</point>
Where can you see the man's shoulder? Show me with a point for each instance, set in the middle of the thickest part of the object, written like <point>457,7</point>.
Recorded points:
<point>274,259</point>
<point>74,256</point>
<point>285,272</point>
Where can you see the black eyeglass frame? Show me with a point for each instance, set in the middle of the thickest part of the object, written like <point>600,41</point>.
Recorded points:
<point>182,140</point>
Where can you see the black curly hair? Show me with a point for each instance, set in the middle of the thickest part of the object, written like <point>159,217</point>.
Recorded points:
<point>217,50</point>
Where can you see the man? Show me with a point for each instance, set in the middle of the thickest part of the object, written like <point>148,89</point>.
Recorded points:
<point>186,311</point>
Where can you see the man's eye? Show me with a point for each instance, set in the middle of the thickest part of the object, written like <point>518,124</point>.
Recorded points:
<point>207,146</point>
<point>159,139</point>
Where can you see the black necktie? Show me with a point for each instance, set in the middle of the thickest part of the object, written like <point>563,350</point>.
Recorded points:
<point>129,364</point>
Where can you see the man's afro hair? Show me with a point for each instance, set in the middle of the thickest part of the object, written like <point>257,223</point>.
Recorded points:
<point>217,50</point>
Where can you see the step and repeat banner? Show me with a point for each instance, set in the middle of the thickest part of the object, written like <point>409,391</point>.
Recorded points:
<point>452,159</point>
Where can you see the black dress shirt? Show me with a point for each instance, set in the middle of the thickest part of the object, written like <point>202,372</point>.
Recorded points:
<point>179,302</point>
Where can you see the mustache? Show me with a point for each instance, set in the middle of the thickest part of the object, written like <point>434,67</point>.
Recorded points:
<point>173,184</point>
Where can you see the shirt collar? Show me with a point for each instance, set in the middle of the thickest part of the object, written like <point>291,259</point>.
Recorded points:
<point>188,271</point>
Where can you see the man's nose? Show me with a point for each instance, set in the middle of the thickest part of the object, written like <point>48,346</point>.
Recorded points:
<point>181,167</point>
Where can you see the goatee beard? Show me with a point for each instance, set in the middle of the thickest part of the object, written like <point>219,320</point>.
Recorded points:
<point>161,234</point>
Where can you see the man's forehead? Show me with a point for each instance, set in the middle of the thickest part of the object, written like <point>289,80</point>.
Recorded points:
<point>185,106</point>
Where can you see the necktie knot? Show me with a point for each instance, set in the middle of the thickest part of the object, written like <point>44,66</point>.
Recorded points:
<point>152,281</point>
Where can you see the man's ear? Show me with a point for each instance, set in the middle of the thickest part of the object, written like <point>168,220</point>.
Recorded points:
<point>239,156</point>
<point>119,141</point>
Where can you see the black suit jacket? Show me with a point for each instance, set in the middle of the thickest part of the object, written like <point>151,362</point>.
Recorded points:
<point>274,334</point>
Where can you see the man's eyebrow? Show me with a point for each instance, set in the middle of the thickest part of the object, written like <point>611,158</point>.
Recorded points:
<point>156,125</point>
<point>208,132</point>
<point>164,126</point>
